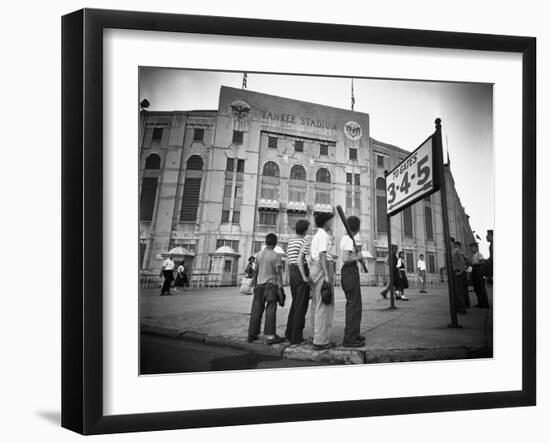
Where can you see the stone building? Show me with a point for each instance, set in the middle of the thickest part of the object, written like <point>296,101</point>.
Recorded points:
<point>215,182</point>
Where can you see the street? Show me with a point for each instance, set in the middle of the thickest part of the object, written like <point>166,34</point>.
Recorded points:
<point>161,355</point>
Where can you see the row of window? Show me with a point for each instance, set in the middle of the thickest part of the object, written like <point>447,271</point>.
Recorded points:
<point>238,137</point>
<point>191,188</point>
<point>297,172</point>
<point>270,190</point>
<point>273,143</point>
<point>198,134</point>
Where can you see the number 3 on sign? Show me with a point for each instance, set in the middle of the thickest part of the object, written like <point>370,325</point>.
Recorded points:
<point>391,191</point>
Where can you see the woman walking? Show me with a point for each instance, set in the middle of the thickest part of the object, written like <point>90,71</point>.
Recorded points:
<point>401,282</point>
<point>181,278</point>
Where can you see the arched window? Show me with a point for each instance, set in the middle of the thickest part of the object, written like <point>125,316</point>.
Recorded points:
<point>271,182</point>
<point>298,173</point>
<point>149,188</point>
<point>322,187</point>
<point>271,169</point>
<point>152,162</point>
<point>323,175</point>
<point>194,163</point>
<point>297,185</point>
<point>191,189</point>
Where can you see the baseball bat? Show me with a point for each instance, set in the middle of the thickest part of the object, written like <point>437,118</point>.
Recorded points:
<point>348,230</point>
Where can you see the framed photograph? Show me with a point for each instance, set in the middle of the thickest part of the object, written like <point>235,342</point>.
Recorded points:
<point>270,221</point>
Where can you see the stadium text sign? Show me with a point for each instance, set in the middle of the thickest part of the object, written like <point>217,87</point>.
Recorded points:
<point>412,179</point>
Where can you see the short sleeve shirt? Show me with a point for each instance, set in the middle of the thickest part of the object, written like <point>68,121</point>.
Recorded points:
<point>295,245</point>
<point>346,243</point>
<point>421,265</point>
<point>168,265</point>
<point>269,265</point>
<point>319,243</point>
<point>476,258</point>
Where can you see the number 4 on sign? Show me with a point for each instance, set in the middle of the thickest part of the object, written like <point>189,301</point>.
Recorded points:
<point>405,185</point>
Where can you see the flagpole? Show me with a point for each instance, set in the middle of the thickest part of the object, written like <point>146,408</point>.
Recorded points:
<point>352,97</point>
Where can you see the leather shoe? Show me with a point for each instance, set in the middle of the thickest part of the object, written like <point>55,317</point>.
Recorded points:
<point>322,347</point>
<point>361,338</point>
<point>275,340</point>
<point>354,344</point>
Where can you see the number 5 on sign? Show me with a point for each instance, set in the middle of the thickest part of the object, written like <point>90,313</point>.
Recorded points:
<point>412,179</point>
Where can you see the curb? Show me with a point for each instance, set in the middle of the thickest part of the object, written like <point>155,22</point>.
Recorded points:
<point>241,344</point>
<point>337,355</point>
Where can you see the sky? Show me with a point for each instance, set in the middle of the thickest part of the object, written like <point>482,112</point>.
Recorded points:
<point>401,112</point>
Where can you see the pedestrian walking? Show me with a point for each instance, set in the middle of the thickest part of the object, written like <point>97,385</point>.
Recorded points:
<point>478,266</point>
<point>322,277</point>
<point>421,269</point>
<point>268,286</point>
<point>299,285</point>
<point>401,282</point>
<point>250,267</point>
<point>351,284</point>
<point>181,278</point>
<point>167,272</point>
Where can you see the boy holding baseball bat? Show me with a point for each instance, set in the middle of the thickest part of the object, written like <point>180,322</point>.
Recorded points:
<point>351,284</point>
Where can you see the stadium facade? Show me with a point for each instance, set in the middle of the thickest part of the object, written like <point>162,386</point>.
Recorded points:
<point>213,183</point>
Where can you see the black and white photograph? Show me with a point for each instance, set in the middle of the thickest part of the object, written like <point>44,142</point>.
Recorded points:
<point>290,220</point>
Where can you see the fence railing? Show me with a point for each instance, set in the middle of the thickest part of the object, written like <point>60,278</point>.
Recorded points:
<point>209,280</point>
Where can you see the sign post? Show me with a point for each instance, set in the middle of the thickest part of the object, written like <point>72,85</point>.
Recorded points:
<point>445,212</point>
<point>417,176</point>
<point>390,262</point>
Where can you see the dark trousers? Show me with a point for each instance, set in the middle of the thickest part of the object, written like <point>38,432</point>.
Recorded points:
<point>168,277</point>
<point>354,305</point>
<point>459,283</point>
<point>299,290</point>
<point>466,290</point>
<point>479,286</point>
<point>265,298</point>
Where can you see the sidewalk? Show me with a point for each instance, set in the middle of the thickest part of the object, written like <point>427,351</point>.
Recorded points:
<point>416,330</point>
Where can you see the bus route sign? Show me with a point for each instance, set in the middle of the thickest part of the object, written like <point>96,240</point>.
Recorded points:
<point>412,179</point>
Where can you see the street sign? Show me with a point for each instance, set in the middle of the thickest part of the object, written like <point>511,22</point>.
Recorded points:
<point>412,179</point>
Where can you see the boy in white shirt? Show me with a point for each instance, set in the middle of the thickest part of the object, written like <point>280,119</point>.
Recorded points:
<point>421,268</point>
<point>168,266</point>
<point>322,277</point>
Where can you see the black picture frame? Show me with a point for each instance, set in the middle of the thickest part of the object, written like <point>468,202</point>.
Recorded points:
<point>82,215</point>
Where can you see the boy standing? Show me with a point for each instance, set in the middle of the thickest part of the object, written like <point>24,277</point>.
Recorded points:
<point>267,284</point>
<point>299,285</point>
<point>421,268</point>
<point>351,285</point>
<point>167,272</point>
<point>478,262</point>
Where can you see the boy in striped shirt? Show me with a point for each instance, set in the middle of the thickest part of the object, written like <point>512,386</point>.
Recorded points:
<point>299,285</point>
